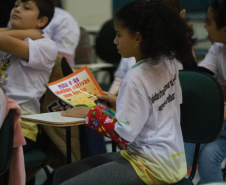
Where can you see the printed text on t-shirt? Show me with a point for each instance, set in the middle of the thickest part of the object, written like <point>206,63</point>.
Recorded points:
<point>157,95</point>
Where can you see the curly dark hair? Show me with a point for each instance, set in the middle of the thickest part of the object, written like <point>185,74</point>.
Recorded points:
<point>163,31</point>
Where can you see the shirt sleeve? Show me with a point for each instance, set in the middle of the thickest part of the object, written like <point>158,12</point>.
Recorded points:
<point>67,35</point>
<point>42,54</point>
<point>133,111</point>
<point>103,124</point>
<point>210,60</point>
<point>124,66</point>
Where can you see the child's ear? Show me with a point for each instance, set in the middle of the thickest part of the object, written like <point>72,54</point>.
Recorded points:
<point>42,22</point>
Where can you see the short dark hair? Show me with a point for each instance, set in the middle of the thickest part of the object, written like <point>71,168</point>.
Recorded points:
<point>218,7</point>
<point>46,9</point>
<point>163,31</point>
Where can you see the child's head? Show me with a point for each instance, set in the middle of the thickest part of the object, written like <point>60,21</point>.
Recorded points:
<point>28,14</point>
<point>216,21</point>
<point>151,29</point>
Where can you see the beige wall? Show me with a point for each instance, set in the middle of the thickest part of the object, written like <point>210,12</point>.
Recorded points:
<point>90,14</point>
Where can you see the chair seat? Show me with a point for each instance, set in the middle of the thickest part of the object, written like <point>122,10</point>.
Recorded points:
<point>184,181</point>
<point>34,157</point>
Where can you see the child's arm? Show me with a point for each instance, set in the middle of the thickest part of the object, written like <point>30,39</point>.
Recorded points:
<point>97,120</point>
<point>12,41</point>
<point>103,124</point>
<point>4,29</point>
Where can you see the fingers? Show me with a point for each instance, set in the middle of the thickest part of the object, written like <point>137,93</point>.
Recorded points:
<point>183,13</point>
<point>67,113</point>
<point>102,97</point>
<point>77,112</point>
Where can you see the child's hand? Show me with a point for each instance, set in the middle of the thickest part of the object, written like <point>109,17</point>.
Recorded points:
<point>110,98</point>
<point>77,112</point>
<point>183,15</point>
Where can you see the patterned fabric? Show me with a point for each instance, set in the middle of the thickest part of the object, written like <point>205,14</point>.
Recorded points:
<point>100,120</point>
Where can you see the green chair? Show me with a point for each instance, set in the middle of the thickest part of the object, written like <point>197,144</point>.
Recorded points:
<point>6,144</point>
<point>36,157</point>
<point>202,112</point>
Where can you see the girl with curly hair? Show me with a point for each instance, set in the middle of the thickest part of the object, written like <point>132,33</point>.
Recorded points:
<point>147,107</point>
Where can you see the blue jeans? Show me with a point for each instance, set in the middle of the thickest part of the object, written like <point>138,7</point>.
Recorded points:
<point>210,158</point>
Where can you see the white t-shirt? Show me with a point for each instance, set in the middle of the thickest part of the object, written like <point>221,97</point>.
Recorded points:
<point>25,81</point>
<point>2,106</point>
<point>148,114</point>
<point>124,66</point>
<point>64,31</point>
<point>215,61</point>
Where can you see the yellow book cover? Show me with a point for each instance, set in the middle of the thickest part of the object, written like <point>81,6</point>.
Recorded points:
<point>78,88</point>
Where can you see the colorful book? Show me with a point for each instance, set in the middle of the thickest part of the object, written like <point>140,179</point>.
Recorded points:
<point>78,88</point>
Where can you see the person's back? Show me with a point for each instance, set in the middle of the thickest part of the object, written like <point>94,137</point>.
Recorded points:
<point>65,32</point>
<point>27,58</point>
<point>159,94</point>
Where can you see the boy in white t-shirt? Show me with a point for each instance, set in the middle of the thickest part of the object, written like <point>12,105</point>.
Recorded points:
<point>27,57</point>
<point>64,30</point>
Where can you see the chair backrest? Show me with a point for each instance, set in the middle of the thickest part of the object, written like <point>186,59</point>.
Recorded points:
<point>6,142</point>
<point>202,109</point>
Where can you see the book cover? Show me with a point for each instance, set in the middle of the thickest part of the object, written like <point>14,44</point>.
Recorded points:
<point>78,88</point>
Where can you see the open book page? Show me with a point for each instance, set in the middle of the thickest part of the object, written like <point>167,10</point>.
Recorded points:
<point>78,88</point>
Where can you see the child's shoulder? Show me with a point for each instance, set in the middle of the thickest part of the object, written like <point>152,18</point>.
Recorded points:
<point>218,47</point>
<point>44,41</point>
